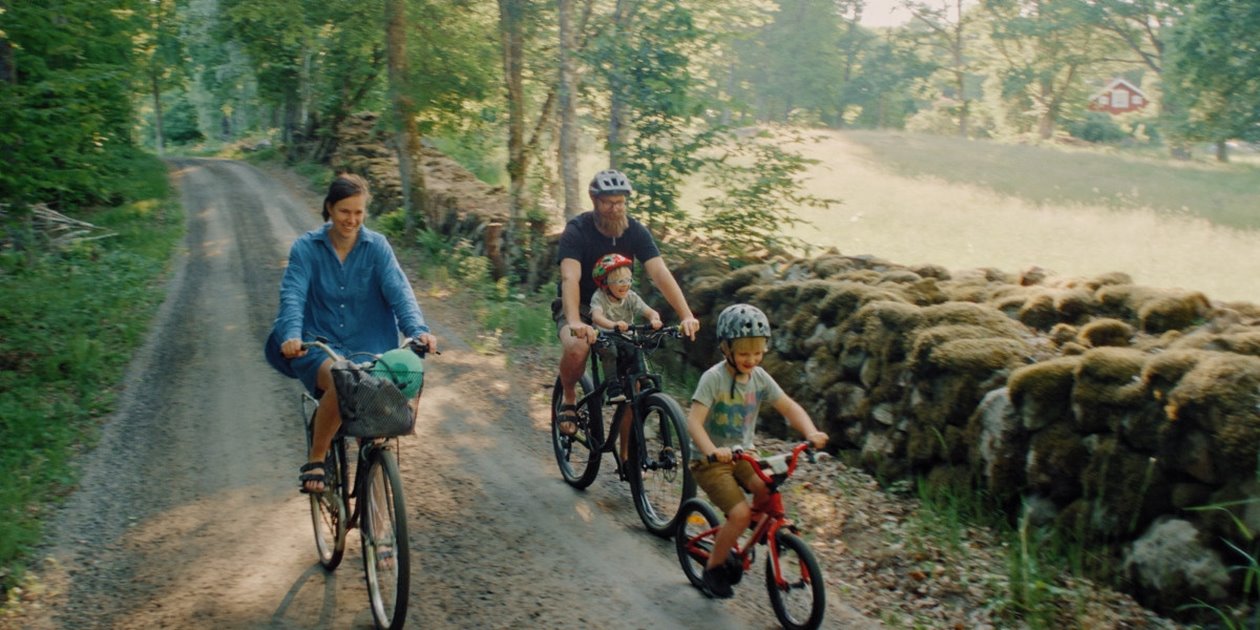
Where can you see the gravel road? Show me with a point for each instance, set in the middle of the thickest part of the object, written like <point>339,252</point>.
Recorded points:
<point>188,514</point>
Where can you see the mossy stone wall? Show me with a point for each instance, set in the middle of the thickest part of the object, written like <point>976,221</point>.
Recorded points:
<point>1110,408</point>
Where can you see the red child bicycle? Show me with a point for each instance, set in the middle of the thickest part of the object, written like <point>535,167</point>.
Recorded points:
<point>794,579</point>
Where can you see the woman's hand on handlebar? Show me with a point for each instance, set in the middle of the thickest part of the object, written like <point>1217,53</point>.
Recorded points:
<point>424,341</point>
<point>292,348</point>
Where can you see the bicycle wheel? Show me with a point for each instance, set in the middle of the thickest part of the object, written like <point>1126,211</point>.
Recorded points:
<point>386,555</point>
<point>801,601</point>
<point>693,539</point>
<point>577,455</point>
<point>662,480</point>
<point>328,508</point>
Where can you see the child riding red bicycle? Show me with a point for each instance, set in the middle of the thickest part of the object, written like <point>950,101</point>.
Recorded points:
<point>723,417</point>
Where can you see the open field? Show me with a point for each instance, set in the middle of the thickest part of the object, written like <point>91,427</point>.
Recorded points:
<point>963,204</point>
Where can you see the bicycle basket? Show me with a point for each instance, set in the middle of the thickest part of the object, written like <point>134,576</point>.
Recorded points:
<point>370,406</point>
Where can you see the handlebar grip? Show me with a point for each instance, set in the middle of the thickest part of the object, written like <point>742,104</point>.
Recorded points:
<point>735,453</point>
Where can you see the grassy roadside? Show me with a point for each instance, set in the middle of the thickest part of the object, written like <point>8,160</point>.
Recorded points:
<point>70,320</point>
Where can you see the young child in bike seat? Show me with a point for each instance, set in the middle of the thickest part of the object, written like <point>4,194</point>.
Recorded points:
<point>613,307</point>
<point>723,415</point>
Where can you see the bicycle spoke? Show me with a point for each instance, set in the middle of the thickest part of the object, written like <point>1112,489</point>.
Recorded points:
<point>800,601</point>
<point>385,551</point>
<point>576,455</point>
<point>693,540</point>
<point>664,481</point>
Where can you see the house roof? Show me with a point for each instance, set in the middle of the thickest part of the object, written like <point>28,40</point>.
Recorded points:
<point>1116,82</point>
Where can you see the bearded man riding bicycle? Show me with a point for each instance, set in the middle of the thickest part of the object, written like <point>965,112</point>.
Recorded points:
<point>586,238</point>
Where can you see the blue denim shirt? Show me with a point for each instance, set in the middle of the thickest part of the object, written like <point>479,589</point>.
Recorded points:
<point>358,305</point>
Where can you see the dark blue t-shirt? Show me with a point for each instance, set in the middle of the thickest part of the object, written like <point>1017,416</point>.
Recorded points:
<point>583,242</point>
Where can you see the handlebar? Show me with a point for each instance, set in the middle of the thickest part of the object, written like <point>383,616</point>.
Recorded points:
<point>321,343</point>
<point>637,334</point>
<point>781,464</point>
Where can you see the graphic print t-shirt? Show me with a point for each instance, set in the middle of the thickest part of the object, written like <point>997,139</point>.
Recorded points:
<point>732,419</point>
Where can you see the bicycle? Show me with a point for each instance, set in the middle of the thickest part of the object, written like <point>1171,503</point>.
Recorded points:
<point>659,447</point>
<point>794,579</point>
<point>371,499</point>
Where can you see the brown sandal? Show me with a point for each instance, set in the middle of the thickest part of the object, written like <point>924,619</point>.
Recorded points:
<point>568,419</point>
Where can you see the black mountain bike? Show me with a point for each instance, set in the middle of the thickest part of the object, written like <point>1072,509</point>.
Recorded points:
<point>659,450</point>
<point>371,499</point>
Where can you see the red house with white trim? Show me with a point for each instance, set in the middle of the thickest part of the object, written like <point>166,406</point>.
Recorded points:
<point>1119,97</point>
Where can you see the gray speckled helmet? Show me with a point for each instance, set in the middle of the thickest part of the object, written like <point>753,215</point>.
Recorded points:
<point>610,182</point>
<point>742,320</point>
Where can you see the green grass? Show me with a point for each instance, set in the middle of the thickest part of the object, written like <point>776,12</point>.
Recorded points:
<point>69,322</point>
<point>1057,176</point>
<point>962,204</point>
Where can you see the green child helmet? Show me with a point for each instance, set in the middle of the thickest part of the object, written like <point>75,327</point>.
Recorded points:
<point>404,368</point>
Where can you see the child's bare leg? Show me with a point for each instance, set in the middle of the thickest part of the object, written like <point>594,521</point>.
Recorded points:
<point>736,522</point>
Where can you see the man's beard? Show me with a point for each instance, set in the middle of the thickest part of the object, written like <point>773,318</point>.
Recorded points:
<point>612,227</point>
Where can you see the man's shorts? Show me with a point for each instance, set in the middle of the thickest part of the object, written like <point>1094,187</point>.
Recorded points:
<point>723,483</point>
<point>557,315</point>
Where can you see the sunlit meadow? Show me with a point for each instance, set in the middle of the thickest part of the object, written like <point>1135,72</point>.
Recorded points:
<point>920,199</point>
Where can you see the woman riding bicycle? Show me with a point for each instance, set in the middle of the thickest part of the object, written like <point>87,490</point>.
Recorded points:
<point>343,284</point>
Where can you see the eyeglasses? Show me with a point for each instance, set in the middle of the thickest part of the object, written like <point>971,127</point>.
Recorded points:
<point>623,282</point>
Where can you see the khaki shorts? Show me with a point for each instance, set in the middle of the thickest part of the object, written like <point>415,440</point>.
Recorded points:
<point>725,484</point>
<point>557,315</point>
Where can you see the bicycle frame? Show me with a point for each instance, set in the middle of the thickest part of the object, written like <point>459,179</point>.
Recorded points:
<point>768,517</point>
<point>373,498</point>
<point>641,383</point>
<point>350,487</point>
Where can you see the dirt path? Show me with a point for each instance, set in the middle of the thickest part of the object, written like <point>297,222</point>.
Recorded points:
<point>188,515</point>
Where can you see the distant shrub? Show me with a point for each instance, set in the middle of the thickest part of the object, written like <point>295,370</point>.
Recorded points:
<point>1098,127</point>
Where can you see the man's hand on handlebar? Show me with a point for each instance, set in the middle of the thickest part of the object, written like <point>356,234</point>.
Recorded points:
<point>689,326</point>
<point>584,331</point>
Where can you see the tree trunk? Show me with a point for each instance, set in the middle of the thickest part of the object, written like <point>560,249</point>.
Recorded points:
<point>406,134</point>
<point>1222,151</point>
<point>158,140</point>
<point>512,39</point>
<point>568,118</point>
<point>617,102</point>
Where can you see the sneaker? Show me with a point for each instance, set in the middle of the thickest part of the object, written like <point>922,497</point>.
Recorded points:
<point>615,395</point>
<point>715,584</point>
<point>733,569</point>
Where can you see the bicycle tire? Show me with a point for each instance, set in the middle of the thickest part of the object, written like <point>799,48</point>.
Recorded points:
<point>661,478</point>
<point>690,540</point>
<point>383,526</point>
<point>328,508</point>
<point>578,455</point>
<point>801,604</point>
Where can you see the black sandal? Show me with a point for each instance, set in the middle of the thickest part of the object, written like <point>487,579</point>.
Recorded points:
<point>310,476</point>
<point>568,428</point>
